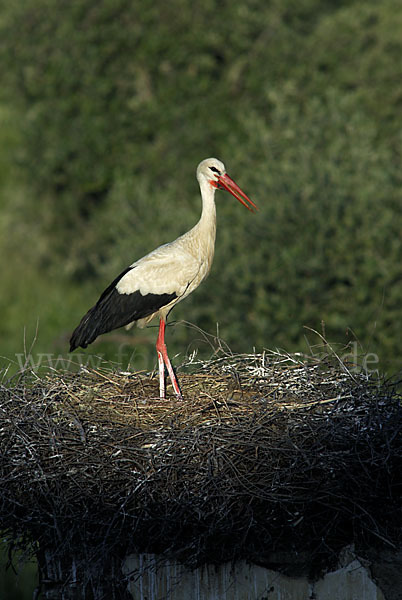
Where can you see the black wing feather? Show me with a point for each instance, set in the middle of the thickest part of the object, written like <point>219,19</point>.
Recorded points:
<point>115,310</point>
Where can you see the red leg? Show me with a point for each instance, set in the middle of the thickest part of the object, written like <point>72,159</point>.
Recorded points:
<point>161,376</point>
<point>163,358</point>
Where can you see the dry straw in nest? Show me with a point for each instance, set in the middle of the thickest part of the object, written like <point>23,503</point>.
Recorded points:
<point>268,456</point>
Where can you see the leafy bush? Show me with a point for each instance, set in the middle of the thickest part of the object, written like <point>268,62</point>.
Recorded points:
<point>115,103</point>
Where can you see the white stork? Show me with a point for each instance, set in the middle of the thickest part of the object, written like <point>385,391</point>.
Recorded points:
<point>153,285</point>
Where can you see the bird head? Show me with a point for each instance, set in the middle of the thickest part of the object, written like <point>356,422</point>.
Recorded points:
<point>213,171</point>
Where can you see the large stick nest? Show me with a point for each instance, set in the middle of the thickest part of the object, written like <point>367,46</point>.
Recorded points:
<point>267,454</point>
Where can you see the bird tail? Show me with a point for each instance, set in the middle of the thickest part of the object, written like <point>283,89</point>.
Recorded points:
<point>114,310</point>
<point>86,332</point>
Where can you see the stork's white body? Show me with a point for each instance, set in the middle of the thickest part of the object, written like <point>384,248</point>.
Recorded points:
<point>153,285</point>
<point>177,267</point>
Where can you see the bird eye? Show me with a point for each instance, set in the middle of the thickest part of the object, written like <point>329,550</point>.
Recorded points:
<point>215,170</point>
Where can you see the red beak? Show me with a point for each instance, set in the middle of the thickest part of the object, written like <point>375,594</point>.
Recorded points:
<point>227,183</point>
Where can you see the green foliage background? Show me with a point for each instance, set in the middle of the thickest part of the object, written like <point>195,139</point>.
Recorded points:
<point>107,106</point>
